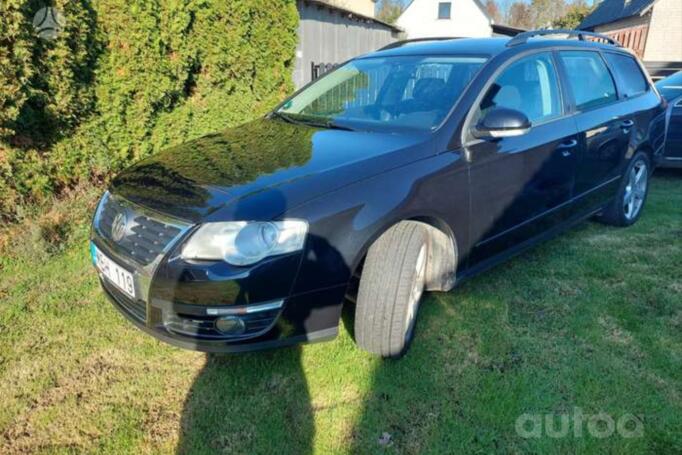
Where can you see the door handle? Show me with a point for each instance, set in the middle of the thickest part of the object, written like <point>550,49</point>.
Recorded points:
<point>566,147</point>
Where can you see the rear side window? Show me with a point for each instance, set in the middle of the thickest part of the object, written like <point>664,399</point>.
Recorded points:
<point>589,79</point>
<point>529,86</point>
<point>630,77</point>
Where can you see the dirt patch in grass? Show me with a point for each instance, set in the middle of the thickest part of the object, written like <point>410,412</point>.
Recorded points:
<point>109,382</point>
<point>81,391</point>
<point>614,332</point>
<point>46,228</point>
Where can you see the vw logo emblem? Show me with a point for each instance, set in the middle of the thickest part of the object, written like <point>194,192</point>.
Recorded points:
<point>119,226</point>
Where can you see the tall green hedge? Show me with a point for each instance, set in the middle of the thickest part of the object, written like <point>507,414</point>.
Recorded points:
<point>126,78</point>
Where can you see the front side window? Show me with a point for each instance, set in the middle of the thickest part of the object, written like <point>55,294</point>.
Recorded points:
<point>529,85</point>
<point>589,79</point>
<point>444,10</point>
<point>414,92</point>
<point>628,72</point>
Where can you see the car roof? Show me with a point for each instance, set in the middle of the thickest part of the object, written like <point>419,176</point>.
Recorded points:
<point>480,46</point>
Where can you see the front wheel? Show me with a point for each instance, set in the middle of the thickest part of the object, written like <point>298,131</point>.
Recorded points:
<point>626,209</point>
<point>391,287</point>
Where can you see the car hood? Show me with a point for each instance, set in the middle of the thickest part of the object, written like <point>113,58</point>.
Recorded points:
<point>267,156</point>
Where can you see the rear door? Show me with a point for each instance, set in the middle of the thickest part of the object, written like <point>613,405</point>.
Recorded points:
<point>520,186</point>
<point>637,97</point>
<point>604,126</point>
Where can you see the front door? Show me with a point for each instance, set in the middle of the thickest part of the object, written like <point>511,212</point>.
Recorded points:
<point>521,186</point>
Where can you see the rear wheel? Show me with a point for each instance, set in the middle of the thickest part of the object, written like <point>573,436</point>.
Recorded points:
<point>390,290</point>
<point>626,209</point>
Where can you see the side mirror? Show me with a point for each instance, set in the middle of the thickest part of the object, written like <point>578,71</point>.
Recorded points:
<point>502,122</point>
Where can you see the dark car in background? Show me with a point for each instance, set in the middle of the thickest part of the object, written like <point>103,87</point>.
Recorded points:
<point>407,170</point>
<point>670,88</point>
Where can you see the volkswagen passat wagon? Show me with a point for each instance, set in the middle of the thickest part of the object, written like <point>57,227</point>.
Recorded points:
<point>403,171</point>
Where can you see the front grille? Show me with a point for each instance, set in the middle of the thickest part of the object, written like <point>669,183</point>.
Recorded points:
<point>143,239</point>
<point>135,308</point>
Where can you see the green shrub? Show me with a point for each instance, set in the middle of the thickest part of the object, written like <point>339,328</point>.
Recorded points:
<point>16,66</point>
<point>46,86</point>
<point>127,78</point>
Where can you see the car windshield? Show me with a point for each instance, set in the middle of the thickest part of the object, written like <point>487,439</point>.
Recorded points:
<point>671,87</point>
<point>414,92</point>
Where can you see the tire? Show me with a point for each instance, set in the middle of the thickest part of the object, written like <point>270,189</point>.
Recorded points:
<point>391,287</point>
<point>629,203</point>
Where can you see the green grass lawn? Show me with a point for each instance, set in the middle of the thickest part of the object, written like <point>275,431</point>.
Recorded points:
<point>590,321</point>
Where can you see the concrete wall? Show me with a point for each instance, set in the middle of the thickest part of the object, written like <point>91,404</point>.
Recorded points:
<point>327,36</point>
<point>664,43</point>
<point>420,20</point>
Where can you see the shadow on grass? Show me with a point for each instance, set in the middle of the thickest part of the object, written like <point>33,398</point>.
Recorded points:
<point>250,403</point>
<point>668,173</point>
<point>259,403</point>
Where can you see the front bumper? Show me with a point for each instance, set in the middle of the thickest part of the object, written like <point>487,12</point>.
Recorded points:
<point>190,303</point>
<point>304,318</point>
<point>177,307</point>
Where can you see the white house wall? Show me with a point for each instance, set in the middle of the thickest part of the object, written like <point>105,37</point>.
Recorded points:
<point>420,20</point>
<point>664,43</point>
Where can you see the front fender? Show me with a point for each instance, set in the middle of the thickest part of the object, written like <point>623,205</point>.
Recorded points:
<point>345,223</point>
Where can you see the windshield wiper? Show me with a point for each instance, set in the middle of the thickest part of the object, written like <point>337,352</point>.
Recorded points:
<point>330,125</point>
<point>286,118</point>
<point>310,122</point>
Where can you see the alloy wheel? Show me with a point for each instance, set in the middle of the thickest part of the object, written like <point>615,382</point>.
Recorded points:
<point>635,190</point>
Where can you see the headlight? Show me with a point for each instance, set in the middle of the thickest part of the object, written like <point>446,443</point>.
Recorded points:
<point>245,243</point>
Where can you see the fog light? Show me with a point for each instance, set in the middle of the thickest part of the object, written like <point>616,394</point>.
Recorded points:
<point>230,325</point>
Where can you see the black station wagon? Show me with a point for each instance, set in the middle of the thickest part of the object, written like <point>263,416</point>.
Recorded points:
<point>406,170</point>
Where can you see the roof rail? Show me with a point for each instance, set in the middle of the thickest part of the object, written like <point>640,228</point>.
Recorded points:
<point>398,44</point>
<point>523,38</point>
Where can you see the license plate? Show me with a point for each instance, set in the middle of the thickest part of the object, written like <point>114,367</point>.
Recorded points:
<point>114,273</point>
